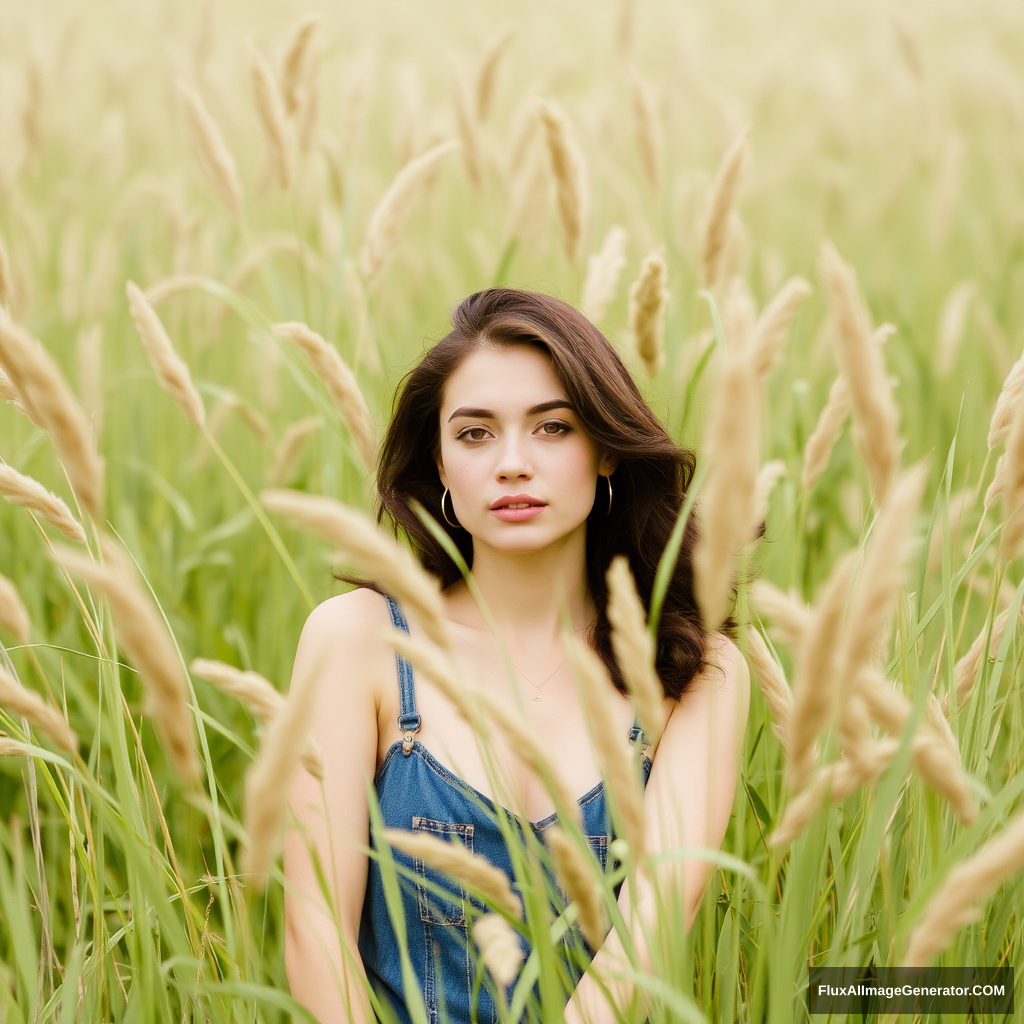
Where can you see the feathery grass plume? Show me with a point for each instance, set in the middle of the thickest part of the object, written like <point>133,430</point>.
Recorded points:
<point>6,280</point>
<point>177,284</point>
<point>451,858</point>
<point>290,446</point>
<point>815,690</point>
<point>17,700</point>
<point>952,320</point>
<point>341,382</point>
<point>773,326</point>
<point>1010,479</point>
<point>1006,403</point>
<point>648,130</point>
<point>469,129</point>
<point>998,485</point>
<point>720,205</point>
<point>767,477</point>
<point>970,882</point>
<point>371,551</point>
<point>90,377</point>
<point>837,781</point>
<point>10,393</point>
<point>940,725</point>
<point>634,648</point>
<point>50,402</point>
<point>648,297</point>
<point>488,74</point>
<point>293,63</point>
<point>792,617</point>
<point>269,779</point>
<point>732,450</point>
<point>170,368</point>
<point>570,177</point>
<point>611,746</point>
<point>603,270</point>
<point>257,693</point>
<point>23,490</point>
<point>965,672</point>
<point>144,636</point>
<point>826,432</point>
<point>13,613</point>
<point>577,876</point>
<point>876,418</point>
<point>270,108</point>
<point>215,159</point>
<point>499,947</point>
<point>773,683</point>
<point>390,213</point>
<point>12,748</point>
<point>307,117</point>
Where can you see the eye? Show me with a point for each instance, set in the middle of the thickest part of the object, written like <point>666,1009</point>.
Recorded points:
<point>560,428</point>
<point>464,434</point>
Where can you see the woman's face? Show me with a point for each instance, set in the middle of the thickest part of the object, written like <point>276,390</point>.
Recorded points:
<point>508,431</point>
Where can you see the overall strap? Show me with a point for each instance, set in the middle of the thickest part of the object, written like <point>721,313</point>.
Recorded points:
<point>636,733</point>
<point>409,719</point>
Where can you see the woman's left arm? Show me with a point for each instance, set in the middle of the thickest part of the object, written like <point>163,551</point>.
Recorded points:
<point>688,803</point>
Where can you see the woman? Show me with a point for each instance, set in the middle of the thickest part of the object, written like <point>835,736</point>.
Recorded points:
<point>510,431</point>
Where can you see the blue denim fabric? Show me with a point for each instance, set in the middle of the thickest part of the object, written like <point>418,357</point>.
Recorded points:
<point>418,793</point>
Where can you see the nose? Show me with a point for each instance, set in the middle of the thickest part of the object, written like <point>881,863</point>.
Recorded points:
<point>513,462</point>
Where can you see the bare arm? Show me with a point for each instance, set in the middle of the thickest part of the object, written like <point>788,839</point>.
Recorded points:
<point>332,816</point>
<point>688,801</point>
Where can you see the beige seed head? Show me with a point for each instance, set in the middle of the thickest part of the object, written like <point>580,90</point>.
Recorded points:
<point>17,700</point>
<point>293,64</point>
<point>23,490</point>
<point>499,947</point>
<point>13,614</point>
<point>171,369</point>
<point>469,130</point>
<point>965,672</point>
<point>603,270</point>
<point>952,320</point>
<point>390,214</point>
<point>12,748</point>
<point>634,648</point>
<point>371,551</point>
<point>826,432</point>
<point>577,875</point>
<point>876,418</point>
<point>570,178</point>
<point>50,403</point>
<point>340,381</point>
<point>720,206</point>
<point>257,693</point>
<point>648,298</point>
<point>767,477</point>
<point>6,280</point>
<point>970,882</point>
<point>773,326</point>
<point>648,130</point>
<point>142,632</point>
<point>792,617</point>
<point>290,447</point>
<point>452,858</point>
<point>1010,477</point>
<point>773,684</point>
<point>487,75</point>
<point>215,159</point>
<point>271,111</point>
<point>1006,403</point>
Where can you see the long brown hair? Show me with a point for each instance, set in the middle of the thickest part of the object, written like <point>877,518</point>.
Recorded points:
<point>651,477</point>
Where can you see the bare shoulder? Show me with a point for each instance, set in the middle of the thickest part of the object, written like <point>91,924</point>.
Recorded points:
<point>725,678</point>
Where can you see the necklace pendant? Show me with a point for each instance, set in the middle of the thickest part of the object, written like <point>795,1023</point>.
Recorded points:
<point>536,696</point>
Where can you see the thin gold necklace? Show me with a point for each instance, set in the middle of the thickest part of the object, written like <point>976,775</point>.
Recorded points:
<point>537,686</point>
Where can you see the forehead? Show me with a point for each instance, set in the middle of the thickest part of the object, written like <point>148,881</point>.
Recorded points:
<point>503,378</point>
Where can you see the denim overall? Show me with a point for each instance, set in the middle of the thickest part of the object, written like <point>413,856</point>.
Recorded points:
<point>418,793</point>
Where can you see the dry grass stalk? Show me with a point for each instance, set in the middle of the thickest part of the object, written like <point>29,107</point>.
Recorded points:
<point>611,746</point>
<point>648,130</point>
<point>577,876</point>
<point>17,700</point>
<point>940,725</point>
<point>767,477</point>
<point>469,130</point>
<point>50,402</point>
<point>6,280</point>
<point>452,858</point>
<point>142,632</point>
<point>1012,486</point>
<point>269,779</point>
<point>23,490</point>
<point>826,432</point>
<point>970,882</point>
<point>815,689</point>
<point>634,648</point>
<point>998,485</point>
<point>965,672</point>
<point>727,496</point>
<point>10,393</point>
<point>952,320</point>
<point>648,298</point>
<point>341,382</point>
<point>499,947</point>
<point>177,284</point>
<point>487,75</point>
<point>297,53</point>
<point>1006,403</point>
<point>257,693</point>
<point>214,156</point>
<point>773,684</point>
<point>290,447</point>
<point>603,270</point>
<point>390,214</point>
<point>570,178</point>
<point>792,617</point>
<point>12,748</point>
<point>307,118</point>
<point>90,377</point>
<point>170,368</point>
<point>876,418</point>
<point>271,111</point>
<point>371,551</point>
<point>720,206</point>
<point>773,326</point>
<point>13,613</point>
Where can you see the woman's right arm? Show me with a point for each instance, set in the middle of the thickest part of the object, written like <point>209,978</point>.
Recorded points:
<point>333,817</point>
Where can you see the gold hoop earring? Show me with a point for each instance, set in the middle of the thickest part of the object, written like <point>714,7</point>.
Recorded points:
<point>609,479</point>
<point>445,514</point>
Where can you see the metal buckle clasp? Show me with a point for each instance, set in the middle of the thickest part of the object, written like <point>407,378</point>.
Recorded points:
<point>407,742</point>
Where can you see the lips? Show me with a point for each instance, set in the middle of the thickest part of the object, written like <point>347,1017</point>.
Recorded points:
<point>517,501</point>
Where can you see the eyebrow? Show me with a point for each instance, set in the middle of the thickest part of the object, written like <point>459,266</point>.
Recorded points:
<point>488,414</point>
